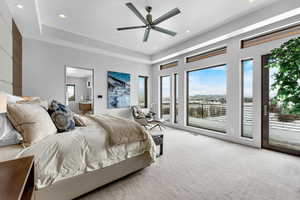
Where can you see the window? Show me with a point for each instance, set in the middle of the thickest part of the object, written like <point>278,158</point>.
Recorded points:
<point>165,98</point>
<point>271,36</point>
<point>208,54</point>
<point>70,93</point>
<point>143,91</point>
<point>247,98</point>
<point>176,98</point>
<point>206,93</point>
<point>169,65</point>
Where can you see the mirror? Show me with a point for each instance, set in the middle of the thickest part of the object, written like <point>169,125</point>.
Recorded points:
<point>80,90</point>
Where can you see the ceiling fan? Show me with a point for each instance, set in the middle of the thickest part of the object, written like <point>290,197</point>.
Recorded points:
<point>149,23</point>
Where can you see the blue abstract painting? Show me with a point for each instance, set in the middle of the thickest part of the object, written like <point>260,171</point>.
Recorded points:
<point>118,90</point>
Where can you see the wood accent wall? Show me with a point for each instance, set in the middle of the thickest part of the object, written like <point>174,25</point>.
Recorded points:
<point>208,54</point>
<point>17,60</point>
<point>271,36</point>
<point>169,65</point>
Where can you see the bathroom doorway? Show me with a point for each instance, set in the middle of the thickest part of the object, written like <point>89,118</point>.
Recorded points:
<point>79,89</point>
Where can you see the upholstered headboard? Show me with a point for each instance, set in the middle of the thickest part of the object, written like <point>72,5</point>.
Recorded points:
<point>10,57</point>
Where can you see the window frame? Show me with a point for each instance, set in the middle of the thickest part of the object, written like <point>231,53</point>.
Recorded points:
<point>146,78</point>
<point>188,99</point>
<point>161,98</point>
<point>175,93</point>
<point>242,97</point>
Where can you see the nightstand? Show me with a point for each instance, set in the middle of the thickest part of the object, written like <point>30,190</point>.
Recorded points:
<point>159,141</point>
<point>17,179</point>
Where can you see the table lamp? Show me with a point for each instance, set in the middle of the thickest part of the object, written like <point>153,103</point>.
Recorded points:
<point>3,102</point>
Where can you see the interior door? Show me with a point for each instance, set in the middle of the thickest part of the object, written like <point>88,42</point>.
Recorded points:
<point>280,131</point>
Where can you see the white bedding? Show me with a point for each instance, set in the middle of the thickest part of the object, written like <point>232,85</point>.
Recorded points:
<point>82,150</point>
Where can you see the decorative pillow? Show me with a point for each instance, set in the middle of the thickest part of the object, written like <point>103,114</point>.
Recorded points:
<point>8,135</point>
<point>61,116</point>
<point>79,121</point>
<point>37,101</point>
<point>12,98</point>
<point>32,121</point>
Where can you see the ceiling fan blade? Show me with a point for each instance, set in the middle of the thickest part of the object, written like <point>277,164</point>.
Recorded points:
<point>136,12</point>
<point>146,35</point>
<point>162,30</point>
<point>166,16</point>
<point>130,27</point>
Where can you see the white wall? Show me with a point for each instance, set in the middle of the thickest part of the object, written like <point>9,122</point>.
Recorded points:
<point>44,72</point>
<point>233,60</point>
<point>6,64</point>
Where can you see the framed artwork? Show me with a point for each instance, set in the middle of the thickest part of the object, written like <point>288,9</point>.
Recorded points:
<point>118,90</point>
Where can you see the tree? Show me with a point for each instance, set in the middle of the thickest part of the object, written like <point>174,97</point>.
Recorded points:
<point>286,61</point>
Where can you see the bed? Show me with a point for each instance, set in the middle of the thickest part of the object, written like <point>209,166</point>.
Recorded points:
<point>73,163</point>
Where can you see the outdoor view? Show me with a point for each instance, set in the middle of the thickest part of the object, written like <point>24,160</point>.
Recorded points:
<point>166,98</point>
<point>142,92</point>
<point>207,98</point>
<point>284,128</point>
<point>176,98</point>
<point>247,102</point>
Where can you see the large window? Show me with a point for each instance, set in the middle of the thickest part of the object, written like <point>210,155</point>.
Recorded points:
<point>247,98</point>
<point>165,96</point>
<point>176,98</point>
<point>143,91</point>
<point>207,98</point>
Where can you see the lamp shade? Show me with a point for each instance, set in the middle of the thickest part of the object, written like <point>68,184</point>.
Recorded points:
<point>3,102</point>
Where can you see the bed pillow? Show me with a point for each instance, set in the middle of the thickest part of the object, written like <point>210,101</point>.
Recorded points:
<point>8,135</point>
<point>61,116</point>
<point>32,121</point>
<point>79,121</point>
<point>37,101</point>
<point>12,98</point>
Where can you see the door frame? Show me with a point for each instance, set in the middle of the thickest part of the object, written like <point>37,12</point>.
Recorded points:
<point>265,111</point>
<point>92,69</point>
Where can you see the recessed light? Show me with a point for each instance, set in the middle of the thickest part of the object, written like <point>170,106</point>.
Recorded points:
<point>62,16</point>
<point>251,1</point>
<point>187,31</point>
<point>20,6</point>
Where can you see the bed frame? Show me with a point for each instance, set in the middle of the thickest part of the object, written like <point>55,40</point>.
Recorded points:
<point>76,186</point>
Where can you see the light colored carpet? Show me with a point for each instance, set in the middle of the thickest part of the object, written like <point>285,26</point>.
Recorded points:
<point>196,167</point>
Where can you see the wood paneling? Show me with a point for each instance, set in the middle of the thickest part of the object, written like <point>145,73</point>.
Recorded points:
<point>208,54</point>
<point>17,60</point>
<point>17,179</point>
<point>169,65</point>
<point>271,36</point>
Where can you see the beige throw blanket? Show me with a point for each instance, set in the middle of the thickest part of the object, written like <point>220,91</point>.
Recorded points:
<point>120,130</point>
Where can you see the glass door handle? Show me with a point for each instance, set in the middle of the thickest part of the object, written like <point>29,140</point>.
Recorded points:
<point>266,110</point>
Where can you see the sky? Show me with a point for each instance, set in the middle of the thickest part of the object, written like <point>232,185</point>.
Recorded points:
<point>121,76</point>
<point>166,86</point>
<point>141,87</point>
<point>209,81</point>
<point>212,81</point>
<point>248,78</point>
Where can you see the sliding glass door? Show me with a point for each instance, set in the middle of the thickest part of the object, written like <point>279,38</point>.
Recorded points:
<point>206,93</point>
<point>280,128</point>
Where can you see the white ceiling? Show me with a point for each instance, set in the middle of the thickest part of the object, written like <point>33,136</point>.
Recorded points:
<point>98,19</point>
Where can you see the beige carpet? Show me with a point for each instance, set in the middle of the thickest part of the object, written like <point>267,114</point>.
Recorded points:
<point>203,168</point>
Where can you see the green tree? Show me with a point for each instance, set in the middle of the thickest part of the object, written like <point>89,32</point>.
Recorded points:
<point>286,61</point>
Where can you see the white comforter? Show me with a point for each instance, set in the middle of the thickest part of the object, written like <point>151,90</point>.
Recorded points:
<point>82,150</point>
